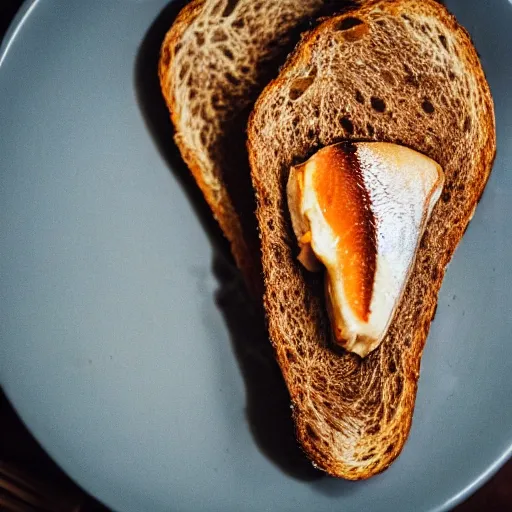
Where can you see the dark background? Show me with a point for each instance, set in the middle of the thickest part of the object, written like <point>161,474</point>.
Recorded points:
<point>19,450</point>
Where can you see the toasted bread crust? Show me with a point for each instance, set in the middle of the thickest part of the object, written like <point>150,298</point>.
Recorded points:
<point>217,197</point>
<point>353,416</point>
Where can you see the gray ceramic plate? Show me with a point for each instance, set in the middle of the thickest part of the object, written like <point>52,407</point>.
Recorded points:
<point>120,339</point>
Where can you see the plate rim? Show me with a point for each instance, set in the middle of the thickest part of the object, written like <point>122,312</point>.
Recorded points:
<point>13,29</point>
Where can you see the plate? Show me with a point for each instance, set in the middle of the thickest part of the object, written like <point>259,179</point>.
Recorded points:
<point>126,344</point>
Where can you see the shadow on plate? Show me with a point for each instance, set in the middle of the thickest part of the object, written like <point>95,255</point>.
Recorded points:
<point>268,402</point>
<point>158,123</point>
<point>334,487</point>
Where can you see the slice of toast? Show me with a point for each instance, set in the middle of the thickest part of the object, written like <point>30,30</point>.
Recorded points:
<point>400,71</point>
<point>215,60</point>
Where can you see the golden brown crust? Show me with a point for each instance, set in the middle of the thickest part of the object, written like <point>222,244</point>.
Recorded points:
<point>353,416</point>
<point>217,198</point>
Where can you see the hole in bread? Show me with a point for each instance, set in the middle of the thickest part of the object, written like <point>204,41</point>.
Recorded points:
<point>217,102</point>
<point>281,308</point>
<point>359,97</point>
<point>378,104</point>
<point>451,75</point>
<point>406,18</point>
<point>347,125</point>
<point>177,48</point>
<point>216,8</point>
<point>219,36</point>
<point>227,53</point>
<point>245,69</point>
<point>230,7</point>
<point>310,431</point>
<point>374,429</point>
<point>370,129</point>
<point>435,274</point>
<point>192,93</point>
<point>444,42</point>
<point>290,356</point>
<point>232,79</point>
<point>348,23</point>
<point>446,196</point>
<point>299,86</point>
<point>199,38</point>
<point>390,448</point>
<point>270,224</point>
<point>392,366</point>
<point>203,138</point>
<point>327,404</point>
<point>238,23</point>
<point>427,106</point>
<point>184,70</point>
<point>467,124</point>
